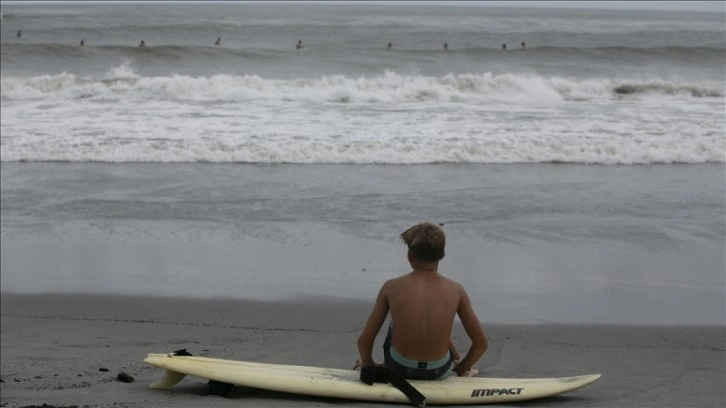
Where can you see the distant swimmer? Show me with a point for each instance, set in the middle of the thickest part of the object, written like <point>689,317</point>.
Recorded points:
<point>19,34</point>
<point>299,45</point>
<point>219,41</point>
<point>524,45</point>
<point>446,47</point>
<point>82,43</point>
<point>390,45</point>
<point>142,44</point>
<point>504,46</point>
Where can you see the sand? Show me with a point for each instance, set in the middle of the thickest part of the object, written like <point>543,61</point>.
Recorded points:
<point>55,346</point>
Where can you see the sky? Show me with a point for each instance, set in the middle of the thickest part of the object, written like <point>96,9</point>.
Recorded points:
<point>702,6</point>
<point>711,6</point>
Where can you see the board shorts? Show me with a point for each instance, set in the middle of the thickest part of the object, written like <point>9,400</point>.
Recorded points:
<point>412,369</point>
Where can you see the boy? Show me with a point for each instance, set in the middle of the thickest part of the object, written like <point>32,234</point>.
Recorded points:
<point>423,305</point>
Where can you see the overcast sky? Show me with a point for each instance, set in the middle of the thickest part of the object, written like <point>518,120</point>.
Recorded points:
<point>712,6</point>
<point>708,6</point>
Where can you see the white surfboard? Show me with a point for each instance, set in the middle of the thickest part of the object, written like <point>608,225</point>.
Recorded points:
<point>338,383</point>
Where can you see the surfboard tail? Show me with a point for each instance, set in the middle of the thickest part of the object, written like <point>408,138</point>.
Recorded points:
<point>171,378</point>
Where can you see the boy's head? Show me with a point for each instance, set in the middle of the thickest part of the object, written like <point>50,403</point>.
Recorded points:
<point>426,241</point>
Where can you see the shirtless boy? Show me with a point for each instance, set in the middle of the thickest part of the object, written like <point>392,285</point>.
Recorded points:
<point>423,305</point>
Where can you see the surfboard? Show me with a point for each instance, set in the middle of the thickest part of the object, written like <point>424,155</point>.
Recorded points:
<point>346,384</point>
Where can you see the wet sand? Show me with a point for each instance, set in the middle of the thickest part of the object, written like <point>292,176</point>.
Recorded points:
<point>53,347</point>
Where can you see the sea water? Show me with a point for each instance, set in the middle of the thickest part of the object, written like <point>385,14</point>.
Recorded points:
<point>580,177</point>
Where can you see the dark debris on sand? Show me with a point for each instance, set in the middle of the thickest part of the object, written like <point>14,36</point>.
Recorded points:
<point>123,377</point>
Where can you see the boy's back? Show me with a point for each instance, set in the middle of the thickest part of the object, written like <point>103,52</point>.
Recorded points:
<point>423,305</point>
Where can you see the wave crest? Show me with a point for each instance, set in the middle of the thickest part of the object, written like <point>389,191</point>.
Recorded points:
<point>123,82</point>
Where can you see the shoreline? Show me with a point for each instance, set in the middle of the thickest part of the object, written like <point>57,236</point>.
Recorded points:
<point>527,242</point>
<point>53,346</point>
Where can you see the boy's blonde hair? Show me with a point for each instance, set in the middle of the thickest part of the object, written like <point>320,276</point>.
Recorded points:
<point>426,241</point>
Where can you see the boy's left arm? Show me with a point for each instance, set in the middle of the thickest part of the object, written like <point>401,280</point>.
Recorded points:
<point>454,352</point>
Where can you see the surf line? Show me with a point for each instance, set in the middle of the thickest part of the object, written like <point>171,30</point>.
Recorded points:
<point>487,392</point>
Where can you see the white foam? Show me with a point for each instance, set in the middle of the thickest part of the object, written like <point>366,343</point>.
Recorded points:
<point>125,70</point>
<point>387,88</point>
<point>392,118</point>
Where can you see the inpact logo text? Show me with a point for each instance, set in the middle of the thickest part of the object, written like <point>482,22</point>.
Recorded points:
<point>488,392</point>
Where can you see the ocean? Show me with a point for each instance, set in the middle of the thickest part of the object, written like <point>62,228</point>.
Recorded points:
<point>579,173</point>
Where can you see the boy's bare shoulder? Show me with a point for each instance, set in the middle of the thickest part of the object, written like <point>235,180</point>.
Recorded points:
<point>452,282</point>
<point>392,283</point>
<point>395,280</point>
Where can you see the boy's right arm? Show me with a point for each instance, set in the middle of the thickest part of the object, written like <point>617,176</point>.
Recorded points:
<point>479,342</point>
<point>373,325</point>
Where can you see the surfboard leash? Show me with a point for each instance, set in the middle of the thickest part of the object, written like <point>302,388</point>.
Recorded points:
<point>377,374</point>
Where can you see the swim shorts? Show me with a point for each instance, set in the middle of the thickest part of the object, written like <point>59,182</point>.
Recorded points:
<point>412,369</point>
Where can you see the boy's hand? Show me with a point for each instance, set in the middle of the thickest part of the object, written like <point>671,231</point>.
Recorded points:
<point>359,364</point>
<point>469,373</point>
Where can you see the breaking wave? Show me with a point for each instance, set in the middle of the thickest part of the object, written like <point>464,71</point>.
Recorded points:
<point>123,82</point>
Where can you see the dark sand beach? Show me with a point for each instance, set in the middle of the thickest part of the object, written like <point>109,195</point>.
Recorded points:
<point>54,345</point>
